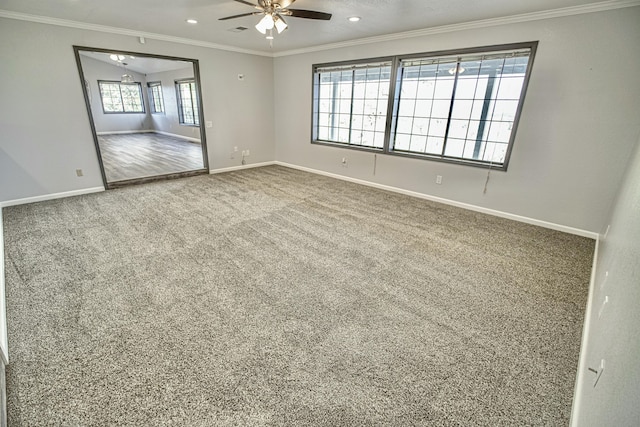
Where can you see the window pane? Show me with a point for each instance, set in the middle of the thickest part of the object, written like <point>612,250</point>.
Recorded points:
<point>454,147</point>
<point>403,142</point>
<point>418,144</point>
<point>434,145</point>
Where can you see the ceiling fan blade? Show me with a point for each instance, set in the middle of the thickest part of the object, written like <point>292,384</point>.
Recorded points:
<point>239,16</point>
<point>246,2</point>
<point>309,14</point>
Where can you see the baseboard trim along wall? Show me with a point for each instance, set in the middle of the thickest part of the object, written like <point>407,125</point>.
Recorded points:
<point>123,132</point>
<point>582,360</point>
<point>4,342</point>
<point>128,132</point>
<point>51,196</point>
<point>175,135</point>
<point>507,215</point>
<point>241,167</point>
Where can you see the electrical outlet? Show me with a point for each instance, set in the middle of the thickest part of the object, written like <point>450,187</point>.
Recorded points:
<point>438,179</point>
<point>209,124</point>
<point>247,153</point>
<point>79,172</point>
<point>235,149</point>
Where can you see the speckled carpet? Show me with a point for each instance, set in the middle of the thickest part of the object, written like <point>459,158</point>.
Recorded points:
<point>272,296</point>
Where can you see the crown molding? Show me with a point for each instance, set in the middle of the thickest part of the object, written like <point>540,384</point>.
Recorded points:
<point>492,22</point>
<point>124,32</point>
<point>484,23</point>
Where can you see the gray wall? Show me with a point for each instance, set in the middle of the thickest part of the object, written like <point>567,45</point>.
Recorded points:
<point>578,125</point>
<point>614,334</point>
<point>45,132</point>
<point>170,121</point>
<point>95,70</point>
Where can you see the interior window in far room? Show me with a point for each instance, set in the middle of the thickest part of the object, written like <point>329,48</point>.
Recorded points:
<point>156,101</point>
<point>187,98</point>
<point>120,97</point>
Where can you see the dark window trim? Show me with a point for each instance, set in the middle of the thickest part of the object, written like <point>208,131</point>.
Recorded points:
<point>394,99</point>
<point>179,102</point>
<point>121,112</point>
<point>152,107</point>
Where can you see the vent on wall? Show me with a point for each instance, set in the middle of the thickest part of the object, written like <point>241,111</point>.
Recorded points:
<point>238,29</point>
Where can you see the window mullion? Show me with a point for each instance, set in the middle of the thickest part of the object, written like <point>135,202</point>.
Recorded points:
<point>395,85</point>
<point>453,97</point>
<point>484,113</point>
<point>121,98</point>
<point>353,85</point>
<point>334,103</point>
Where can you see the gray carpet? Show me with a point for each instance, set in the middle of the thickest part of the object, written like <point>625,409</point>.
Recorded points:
<point>276,297</point>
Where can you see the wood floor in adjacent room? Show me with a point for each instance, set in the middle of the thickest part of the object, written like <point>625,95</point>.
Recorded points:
<point>271,296</point>
<point>141,155</point>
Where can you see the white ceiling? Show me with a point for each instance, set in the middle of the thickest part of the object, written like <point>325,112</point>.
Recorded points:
<point>379,17</point>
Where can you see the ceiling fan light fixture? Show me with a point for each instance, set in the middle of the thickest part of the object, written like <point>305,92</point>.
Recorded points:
<point>126,77</point>
<point>280,24</point>
<point>266,23</point>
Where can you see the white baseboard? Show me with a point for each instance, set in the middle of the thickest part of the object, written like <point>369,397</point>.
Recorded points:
<point>582,360</point>
<point>237,168</point>
<point>123,132</point>
<point>127,132</point>
<point>507,215</point>
<point>4,342</point>
<point>50,196</point>
<point>175,135</point>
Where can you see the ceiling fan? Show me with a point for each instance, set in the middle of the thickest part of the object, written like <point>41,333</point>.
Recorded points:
<point>274,11</point>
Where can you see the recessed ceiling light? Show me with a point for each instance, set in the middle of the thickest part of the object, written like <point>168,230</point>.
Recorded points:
<point>354,18</point>
<point>191,21</point>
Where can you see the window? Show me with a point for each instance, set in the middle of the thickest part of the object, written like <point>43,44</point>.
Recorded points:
<point>121,97</point>
<point>187,102</point>
<point>156,102</point>
<point>460,107</point>
<point>352,103</point>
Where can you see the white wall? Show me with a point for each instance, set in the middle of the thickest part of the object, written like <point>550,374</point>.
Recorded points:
<point>169,121</point>
<point>578,125</point>
<point>614,332</point>
<point>95,70</point>
<point>44,128</point>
